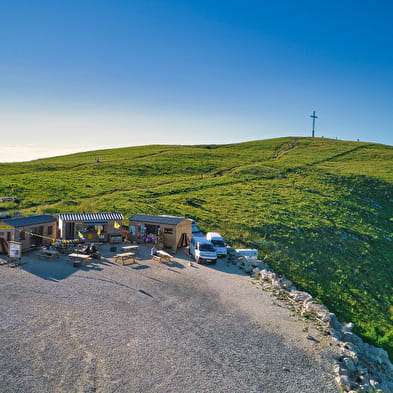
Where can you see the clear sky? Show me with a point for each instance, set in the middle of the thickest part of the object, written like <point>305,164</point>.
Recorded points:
<point>83,75</point>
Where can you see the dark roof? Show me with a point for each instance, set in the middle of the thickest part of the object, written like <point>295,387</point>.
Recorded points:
<point>30,220</point>
<point>172,220</point>
<point>90,216</point>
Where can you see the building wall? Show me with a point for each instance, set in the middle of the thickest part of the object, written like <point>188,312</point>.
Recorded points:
<point>80,226</point>
<point>21,234</point>
<point>6,231</point>
<point>138,235</point>
<point>169,240</point>
<point>184,227</point>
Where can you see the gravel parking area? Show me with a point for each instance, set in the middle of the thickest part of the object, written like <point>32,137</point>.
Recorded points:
<point>149,327</point>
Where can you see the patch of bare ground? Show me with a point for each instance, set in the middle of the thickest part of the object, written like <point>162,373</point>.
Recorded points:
<point>151,327</point>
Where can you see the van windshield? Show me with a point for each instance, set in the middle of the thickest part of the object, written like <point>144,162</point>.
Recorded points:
<point>218,243</point>
<point>206,247</point>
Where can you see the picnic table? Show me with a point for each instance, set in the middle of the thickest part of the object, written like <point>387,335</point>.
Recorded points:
<point>50,254</point>
<point>98,245</point>
<point>78,259</point>
<point>129,249</point>
<point>162,256</point>
<point>125,256</point>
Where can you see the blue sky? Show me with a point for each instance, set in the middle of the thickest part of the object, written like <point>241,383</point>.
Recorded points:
<point>84,75</point>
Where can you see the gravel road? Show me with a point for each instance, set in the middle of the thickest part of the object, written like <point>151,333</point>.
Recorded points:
<point>150,327</point>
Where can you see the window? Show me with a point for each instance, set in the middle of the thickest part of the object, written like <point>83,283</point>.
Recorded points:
<point>168,231</point>
<point>50,230</point>
<point>152,229</point>
<point>206,247</point>
<point>22,235</point>
<point>218,243</point>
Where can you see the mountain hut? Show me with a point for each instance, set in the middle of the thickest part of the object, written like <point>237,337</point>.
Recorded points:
<point>92,227</point>
<point>163,231</point>
<point>30,231</point>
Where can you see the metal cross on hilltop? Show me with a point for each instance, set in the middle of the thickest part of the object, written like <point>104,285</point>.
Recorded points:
<point>313,122</point>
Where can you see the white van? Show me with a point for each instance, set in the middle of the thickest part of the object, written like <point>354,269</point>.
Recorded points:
<point>248,253</point>
<point>202,250</point>
<point>218,243</point>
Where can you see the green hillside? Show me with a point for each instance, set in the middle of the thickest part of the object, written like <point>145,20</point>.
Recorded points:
<point>322,210</point>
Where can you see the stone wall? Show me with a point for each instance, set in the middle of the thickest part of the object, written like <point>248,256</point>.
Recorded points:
<point>359,367</point>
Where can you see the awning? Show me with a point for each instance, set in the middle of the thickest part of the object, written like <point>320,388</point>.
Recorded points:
<point>95,222</point>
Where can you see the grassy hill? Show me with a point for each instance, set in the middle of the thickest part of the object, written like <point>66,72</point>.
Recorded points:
<point>320,209</point>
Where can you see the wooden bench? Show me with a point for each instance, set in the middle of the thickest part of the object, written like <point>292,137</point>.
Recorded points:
<point>125,256</point>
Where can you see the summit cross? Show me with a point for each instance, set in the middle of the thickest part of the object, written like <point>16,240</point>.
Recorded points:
<point>313,122</point>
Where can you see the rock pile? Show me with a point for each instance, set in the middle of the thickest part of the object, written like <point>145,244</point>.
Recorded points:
<point>359,367</point>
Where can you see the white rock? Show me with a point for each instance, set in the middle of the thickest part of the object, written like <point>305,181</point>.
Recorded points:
<point>366,388</point>
<point>255,272</point>
<point>337,369</point>
<point>348,363</point>
<point>343,381</point>
<point>374,383</point>
<point>347,327</point>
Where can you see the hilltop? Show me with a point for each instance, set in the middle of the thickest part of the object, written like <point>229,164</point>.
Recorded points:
<point>320,211</point>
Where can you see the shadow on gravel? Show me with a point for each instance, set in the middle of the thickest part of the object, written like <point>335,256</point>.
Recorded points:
<point>155,279</point>
<point>226,267</point>
<point>59,269</point>
<point>140,267</point>
<point>222,265</point>
<point>175,265</point>
<point>145,293</point>
<point>52,271</point>
<point>174,271</point>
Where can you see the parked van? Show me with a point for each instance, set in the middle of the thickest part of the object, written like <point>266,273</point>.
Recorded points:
<point>218,243</point>
<point>202,250</point>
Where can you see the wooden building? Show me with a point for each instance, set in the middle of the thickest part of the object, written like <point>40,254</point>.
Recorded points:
<point>30,231</point>
<point>96,227</point>
<point>163,231</point>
